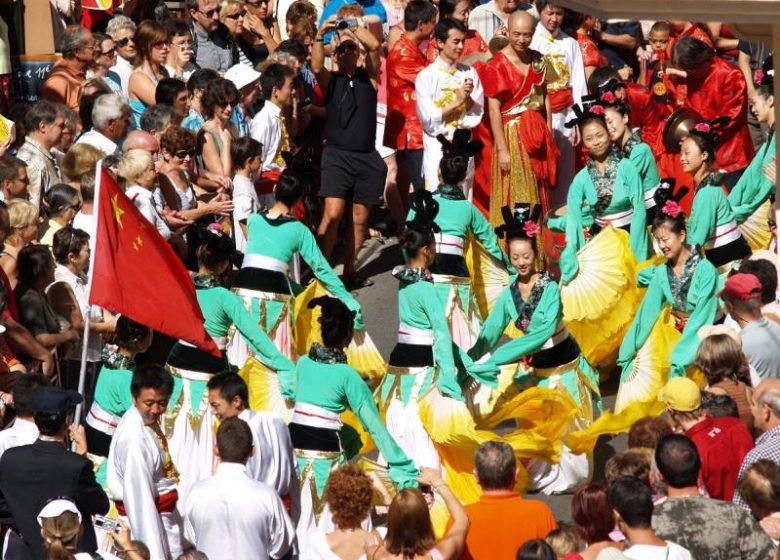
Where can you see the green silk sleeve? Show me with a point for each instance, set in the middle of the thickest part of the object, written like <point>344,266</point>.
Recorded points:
<point>702,298</point>
<point>753,188</point>
<point>575,238</point>
<point>644,321</point>
<point>644,161</point>
<point>701,224</point>
<point>442,342</point>
<point>401,469</point>
<point>322,270</point>
<point>542,326</point>
<point>494,326</point>
<point>256,337</point>
<point>633,185</point>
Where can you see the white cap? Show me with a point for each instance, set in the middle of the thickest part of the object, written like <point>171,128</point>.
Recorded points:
<point>57,507</point>
<point>241,75</point>
<point>712,330</point>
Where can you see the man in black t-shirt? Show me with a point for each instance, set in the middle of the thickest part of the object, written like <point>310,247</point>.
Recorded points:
<point>353,172</point>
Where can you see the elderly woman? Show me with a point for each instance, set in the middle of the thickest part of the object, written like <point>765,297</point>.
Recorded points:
<point>80,159</point>
<point>62,202</point>
<point>36,273</point>
<point>137,169</point>
<point>178,152</point>
<point>217,134</point>
<point>348,495</point>
<point>179,63</point>
<point>122,31</point>
<point>69,299</point>
<point>231,14</point>
<point>153,43</point>
<point>23,227</point>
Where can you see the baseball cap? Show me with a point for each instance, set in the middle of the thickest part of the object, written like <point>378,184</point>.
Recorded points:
<point>241,75</point>
<point>55,401</point>
<point>681,394</point>
<point>741,286</point>
<point>57,507</point>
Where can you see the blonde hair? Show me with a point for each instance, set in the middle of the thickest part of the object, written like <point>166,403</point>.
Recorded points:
<point>563,540</point>
<point>60,535</point>
<point>227,6</point>
<point>133,163</point>
<point>80,159</point>
<point>21,213</point>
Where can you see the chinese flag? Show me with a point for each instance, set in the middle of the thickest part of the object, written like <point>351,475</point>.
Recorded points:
<point>137,274</point>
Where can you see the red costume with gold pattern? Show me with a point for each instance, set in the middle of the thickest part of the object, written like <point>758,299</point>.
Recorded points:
<point>403,130</point>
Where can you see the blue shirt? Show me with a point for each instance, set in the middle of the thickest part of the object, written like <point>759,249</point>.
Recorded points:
<point>370,7</point>
<point>194,121</point>
<point>238,118</point>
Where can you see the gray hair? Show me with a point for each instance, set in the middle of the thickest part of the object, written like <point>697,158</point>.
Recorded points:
<point>771,398</point>
<point>496,465</point>
<point>156,118</point>
<point>71,118</point>
<point>108,107</point>
<point>193,5</point>
<point>73,39</point>
<point>118,23</point>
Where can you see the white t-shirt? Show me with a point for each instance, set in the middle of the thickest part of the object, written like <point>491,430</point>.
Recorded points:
<point>245,202</point>
<point>671,551</point>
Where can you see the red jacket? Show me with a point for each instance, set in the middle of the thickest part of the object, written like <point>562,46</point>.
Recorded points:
<point>722,444</point>
<point>723,93</point>
<point>403,130</point>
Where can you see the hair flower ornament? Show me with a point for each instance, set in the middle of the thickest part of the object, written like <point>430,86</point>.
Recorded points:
<point>608,97</point>
<point>530,228</point>
<point>597,110</point>
<point>702,127</point>
<point>671,208</point>
<point>758,76</point>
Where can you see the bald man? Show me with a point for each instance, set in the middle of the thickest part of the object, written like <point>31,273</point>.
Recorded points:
<point>492,18</point>
<point>141,140</point>
<point>524,153</point>
<point>765,407</point>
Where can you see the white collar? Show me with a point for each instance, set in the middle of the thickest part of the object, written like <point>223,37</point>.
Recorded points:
<point>138,190</point>
<point>64,274</point>
<point>444,65</point>
<point>231,469</point>
<point>542,31</point>
<point>272,108</point>
<point>24,425</point>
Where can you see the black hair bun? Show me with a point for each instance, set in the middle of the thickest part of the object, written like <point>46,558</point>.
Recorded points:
<point>425,211</point>
<point>461,144</point>
<point>521,221</point>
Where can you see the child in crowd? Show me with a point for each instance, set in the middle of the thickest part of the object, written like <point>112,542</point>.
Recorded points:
<point>246,154</point>
<point>563,540</point>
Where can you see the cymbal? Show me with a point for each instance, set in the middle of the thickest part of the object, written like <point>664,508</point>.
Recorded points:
<point>678,126</point>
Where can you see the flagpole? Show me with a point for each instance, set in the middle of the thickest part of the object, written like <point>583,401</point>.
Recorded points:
<point>85,336</point>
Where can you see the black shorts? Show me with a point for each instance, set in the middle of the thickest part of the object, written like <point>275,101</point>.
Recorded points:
<point>353,176</point>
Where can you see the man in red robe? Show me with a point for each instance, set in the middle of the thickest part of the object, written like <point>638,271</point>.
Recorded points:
<point>715,89</point>
<point>403,130</point>
<point>524,151</point>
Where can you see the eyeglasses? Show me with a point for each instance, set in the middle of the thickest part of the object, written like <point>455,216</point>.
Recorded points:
<point>210,13</point>
<point>109,53</point>
<point>161,45</point>
<point>92,46</point>
<point>124,42</point>
<point>25,181</point>
<point>184,45</point>
<point>240,14</point>
<point>183,154</point>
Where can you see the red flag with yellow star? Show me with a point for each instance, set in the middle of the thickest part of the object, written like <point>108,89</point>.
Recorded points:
<point>136,273</point>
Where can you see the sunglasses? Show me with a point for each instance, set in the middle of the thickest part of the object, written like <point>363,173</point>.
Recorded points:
<point>211,13</point>
<point>124,42</point>
<point>109,52</point>
<point>257,4</point>
<point>183,154</point>
<point>240,14</point>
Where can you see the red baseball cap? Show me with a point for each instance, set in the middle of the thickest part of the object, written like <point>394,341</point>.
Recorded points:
<point>741,286</point>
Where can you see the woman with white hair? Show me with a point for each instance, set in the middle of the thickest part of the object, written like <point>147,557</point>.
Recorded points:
<point>122,31</point>
<point>137,169</point>
<point>60,522</point>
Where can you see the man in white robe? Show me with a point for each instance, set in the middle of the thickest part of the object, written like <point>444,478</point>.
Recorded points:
<point>564,54</point>
<point>491,18</point>
<point>273,460</point>
<point>230,516</point>
<point>449,96</point>
<point>142,479</point>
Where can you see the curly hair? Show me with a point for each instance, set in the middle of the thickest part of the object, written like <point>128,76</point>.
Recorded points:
<point>176,138</point>
<point>647,431</point>
<point>348,495</point>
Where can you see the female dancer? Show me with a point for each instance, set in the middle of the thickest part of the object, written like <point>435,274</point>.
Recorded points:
<point>598,279</point>
<point>750,196</point>
<point>189,422</point>
<point>456,219</point>
<point>152,41</point>
<point>323,386</point>
<point>546,354</point>
<point>631,147</point>
<point>273,238</point>
<point>712,223</point>
<point>680,298</point>
<point>112,392</point>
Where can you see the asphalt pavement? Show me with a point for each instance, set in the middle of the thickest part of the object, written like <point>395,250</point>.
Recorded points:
<point>380,311</point>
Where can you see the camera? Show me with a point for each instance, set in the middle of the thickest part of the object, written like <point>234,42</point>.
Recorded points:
<point>348,23</point>
<point>106,523</point>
